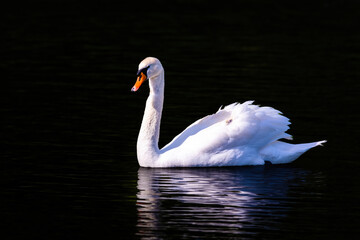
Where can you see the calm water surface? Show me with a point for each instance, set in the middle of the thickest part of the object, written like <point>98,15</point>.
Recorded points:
<point>229,202</point>
<point>69,122</point>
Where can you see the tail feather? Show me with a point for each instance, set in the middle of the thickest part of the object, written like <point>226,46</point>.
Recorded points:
<point>320,143</point>
<point>281,152</point>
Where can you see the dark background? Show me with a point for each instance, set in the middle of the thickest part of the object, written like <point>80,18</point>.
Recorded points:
<point>69,122</point>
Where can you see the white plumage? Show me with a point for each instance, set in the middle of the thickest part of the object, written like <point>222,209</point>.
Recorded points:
<point>238,134</point>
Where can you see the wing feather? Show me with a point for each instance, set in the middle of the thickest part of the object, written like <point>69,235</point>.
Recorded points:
<point>234,126</point>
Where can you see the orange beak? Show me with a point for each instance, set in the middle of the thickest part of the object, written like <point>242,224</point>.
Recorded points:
<point>141,78</point>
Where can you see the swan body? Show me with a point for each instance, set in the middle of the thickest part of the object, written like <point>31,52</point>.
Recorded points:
<point>236,135</point>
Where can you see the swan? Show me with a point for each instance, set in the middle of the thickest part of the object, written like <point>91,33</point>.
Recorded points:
<point>236,135</point>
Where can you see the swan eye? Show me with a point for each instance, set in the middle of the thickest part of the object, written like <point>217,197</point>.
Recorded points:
<point>143,70</point>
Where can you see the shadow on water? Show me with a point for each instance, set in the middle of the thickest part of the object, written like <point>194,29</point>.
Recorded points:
<point>220,202</point>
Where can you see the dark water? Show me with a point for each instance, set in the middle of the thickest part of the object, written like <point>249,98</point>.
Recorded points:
<point>249,202</point>
<point>69,122</point>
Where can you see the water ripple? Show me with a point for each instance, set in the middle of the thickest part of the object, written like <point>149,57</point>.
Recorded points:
<point>229,201</point>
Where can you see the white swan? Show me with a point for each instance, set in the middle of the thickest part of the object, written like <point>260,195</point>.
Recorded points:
<point>239,134</point>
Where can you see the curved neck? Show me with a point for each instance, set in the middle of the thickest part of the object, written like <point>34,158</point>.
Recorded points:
<point>148,139</point>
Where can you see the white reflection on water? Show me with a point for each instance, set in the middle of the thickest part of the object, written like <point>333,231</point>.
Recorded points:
<point>214,200</point>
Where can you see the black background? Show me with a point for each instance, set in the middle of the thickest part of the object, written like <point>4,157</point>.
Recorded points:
<point>69,122</point>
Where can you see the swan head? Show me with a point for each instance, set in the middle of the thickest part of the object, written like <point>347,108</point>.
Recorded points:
<point>149,68</point>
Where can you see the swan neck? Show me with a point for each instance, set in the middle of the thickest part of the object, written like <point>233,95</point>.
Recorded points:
<point>147,145</point>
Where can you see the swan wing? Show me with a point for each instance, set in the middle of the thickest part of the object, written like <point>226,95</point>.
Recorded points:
<point>234,126</point>
<point>195,128</point>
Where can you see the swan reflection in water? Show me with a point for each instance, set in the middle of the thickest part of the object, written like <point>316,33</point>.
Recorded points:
<point>198,201</point>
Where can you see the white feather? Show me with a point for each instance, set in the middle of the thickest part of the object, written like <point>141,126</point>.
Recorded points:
<point>238,134</point>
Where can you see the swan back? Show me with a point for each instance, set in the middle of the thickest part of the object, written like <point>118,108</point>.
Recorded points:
<point>242,123</point>
<point>233,135</point>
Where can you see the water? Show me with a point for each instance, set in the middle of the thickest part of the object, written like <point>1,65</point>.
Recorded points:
<point>230,202</point>
<point>69,122</point>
